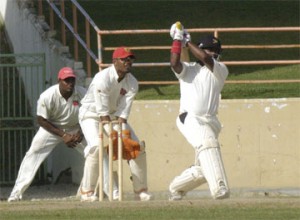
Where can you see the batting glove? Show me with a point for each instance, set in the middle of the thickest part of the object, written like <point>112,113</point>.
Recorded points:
<point>177,31</point>
<point>186,38</point>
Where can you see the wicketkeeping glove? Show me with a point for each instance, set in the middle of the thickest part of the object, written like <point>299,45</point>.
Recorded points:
<point>131,148</point>
<point>177,31</point>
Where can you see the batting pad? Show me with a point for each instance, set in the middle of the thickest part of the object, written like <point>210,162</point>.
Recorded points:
<point>187,180</point>
<point>138,169</point>
<point>213,169</point>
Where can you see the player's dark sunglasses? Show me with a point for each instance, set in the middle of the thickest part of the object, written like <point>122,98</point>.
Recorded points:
<point>69,80</point>
<point>127,59</point>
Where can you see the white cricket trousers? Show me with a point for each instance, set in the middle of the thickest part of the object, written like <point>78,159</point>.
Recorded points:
<point>41,146</point>
<point>197,129</point>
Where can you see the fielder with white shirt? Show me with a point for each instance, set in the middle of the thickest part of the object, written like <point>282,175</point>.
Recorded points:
<point>201,84</point>
<point>57,115</point>
<point>109,97</point>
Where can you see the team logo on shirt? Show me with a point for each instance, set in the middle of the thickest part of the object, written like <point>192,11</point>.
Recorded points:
<point>123,91</point>
<point>75,103</point>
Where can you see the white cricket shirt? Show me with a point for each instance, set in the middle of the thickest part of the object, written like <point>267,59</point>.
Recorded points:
<point>59,111</point>
<point>107,96</point>
<point>200,88</point>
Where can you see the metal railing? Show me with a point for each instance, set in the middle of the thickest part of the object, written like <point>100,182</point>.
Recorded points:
<point>22,79</point>
<point>216,31</point>
<point>58,7</point>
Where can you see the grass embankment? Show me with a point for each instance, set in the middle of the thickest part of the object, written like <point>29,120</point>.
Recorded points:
<point>116,15</point>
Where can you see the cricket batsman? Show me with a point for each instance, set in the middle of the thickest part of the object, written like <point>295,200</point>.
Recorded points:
<point>201,83</point>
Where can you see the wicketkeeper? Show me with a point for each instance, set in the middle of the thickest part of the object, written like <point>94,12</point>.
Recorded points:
<point>109,97</point>
<point>201,83</point>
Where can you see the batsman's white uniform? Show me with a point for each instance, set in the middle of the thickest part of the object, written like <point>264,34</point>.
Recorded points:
<point>200,93</point>
<point>107,96</point>
<point>61,113</point>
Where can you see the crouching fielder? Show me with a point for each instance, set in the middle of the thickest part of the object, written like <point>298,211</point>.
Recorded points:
<point>201,83</point>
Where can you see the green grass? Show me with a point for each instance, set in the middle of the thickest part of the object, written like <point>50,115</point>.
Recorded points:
<point>238,91</point>
<point>241,209</point>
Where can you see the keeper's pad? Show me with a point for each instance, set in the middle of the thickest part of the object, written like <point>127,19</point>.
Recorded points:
<point>213,169</point>
<point>91,173</point>
<point>138,168</point>
<point>188,180</point>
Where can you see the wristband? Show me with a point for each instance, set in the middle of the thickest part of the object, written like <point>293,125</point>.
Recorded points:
<point>176,47</point>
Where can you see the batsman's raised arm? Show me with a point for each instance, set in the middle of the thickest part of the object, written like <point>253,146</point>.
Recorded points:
<point>176,33</point>
<point>204,53</point>
<point>203,57</point>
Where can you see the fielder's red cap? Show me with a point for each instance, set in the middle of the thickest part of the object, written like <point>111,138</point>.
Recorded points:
<point>66,72</point>
<point>122,52</point>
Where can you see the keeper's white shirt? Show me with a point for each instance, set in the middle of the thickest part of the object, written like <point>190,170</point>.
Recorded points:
<point>200,88</point>
<point>107,96</point>
<point>59,111</point>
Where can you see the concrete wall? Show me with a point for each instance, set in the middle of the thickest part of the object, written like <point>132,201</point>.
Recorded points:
<point>260,143</point>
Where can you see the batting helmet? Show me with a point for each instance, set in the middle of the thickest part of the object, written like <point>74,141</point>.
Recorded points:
<point>210,42</point>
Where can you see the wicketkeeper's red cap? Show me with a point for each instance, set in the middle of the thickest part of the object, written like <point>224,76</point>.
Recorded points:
<point>122,52</point>
<point>66,72</point>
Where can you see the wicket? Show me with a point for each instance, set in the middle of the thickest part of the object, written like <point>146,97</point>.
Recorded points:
<point>110,160</point>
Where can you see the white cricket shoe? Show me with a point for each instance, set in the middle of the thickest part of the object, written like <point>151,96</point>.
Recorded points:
<point>143,196</point>
<point>176,196</point>
<point>88,197</point>
<point>223,193</point>
<point>116,194</point>
<point>14,198</point>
